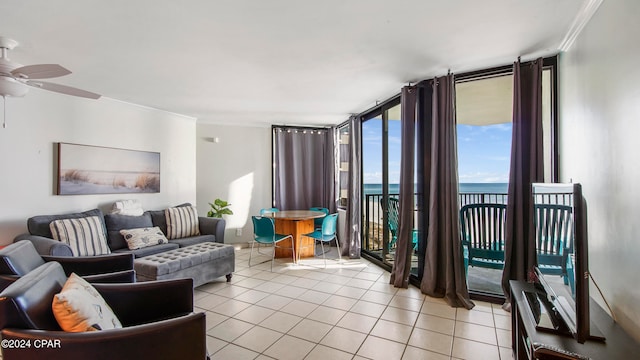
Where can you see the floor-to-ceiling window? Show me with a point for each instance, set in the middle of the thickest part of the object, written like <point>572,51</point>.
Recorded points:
<point>483,115</point>
<point>381,142</point>
<point>484,111</point>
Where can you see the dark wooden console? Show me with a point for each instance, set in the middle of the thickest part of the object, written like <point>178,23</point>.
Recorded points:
<point>531,343</point>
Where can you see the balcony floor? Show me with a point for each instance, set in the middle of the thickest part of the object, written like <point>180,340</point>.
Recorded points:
<point>478,279</point>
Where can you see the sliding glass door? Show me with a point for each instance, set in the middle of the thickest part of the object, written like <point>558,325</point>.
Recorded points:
<point>381,143</point>
<point>484,112</point>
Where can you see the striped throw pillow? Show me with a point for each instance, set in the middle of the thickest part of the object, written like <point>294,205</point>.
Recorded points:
<point>85,236</point>
<point>182,221</point>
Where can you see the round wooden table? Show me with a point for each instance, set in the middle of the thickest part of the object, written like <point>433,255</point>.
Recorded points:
<point>296,223</point>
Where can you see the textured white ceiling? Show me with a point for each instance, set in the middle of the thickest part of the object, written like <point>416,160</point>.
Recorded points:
<point>276,61</point>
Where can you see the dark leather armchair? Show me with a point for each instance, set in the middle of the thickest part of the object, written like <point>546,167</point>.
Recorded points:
<point>19,258</point>
<point>157,318</point>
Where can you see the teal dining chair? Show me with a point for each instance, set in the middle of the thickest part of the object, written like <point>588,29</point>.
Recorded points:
<point>268,210</point>
<point>317,222</point>
<point>326,234</point>
<point>263,212</point>
<point>264,233</point>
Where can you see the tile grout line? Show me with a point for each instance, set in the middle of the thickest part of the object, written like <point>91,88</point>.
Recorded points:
<point>330,294</point>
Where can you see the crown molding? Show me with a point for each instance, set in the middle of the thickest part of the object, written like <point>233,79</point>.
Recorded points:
<point>192,118</point>
<point>579,22</point>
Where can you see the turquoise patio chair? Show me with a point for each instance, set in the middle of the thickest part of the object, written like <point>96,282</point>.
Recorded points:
<point>482,228</point>
<point>554,238</point>
<point>327,233</point>
<point>393,224</point>
<point>264,233</point>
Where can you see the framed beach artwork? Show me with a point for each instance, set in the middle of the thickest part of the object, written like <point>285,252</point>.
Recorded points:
<point>86,169</point>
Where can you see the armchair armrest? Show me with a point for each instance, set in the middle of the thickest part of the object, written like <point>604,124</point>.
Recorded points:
<point>212,226</point>
<point>46,246</point>
<point>125,276</point>
<point>6,280</point>
<point>179,338</point>
<point>93,265</point>
<point>128,276</point>
<point>145,302</point>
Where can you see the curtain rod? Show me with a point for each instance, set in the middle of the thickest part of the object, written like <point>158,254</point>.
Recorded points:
<point>379,105</point>
<point>293,127</point>
<point>494,71</point>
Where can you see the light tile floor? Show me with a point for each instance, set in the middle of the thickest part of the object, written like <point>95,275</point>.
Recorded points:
<point>347,311</point>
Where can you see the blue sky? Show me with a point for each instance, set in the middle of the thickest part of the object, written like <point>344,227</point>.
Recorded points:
<point>483,152</point>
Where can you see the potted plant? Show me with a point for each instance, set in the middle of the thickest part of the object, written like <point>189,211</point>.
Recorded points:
<point>219,208</point>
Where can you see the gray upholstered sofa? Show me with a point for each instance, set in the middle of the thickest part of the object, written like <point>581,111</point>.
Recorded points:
<point>211,229</point>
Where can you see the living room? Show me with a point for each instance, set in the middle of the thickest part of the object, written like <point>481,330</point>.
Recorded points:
<point>202,160</point>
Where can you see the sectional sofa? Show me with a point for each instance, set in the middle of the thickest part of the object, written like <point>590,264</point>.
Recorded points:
<point>210,229</point>
<point>166,244</point>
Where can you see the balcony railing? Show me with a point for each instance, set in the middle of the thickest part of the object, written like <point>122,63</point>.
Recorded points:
<point>373,229</point>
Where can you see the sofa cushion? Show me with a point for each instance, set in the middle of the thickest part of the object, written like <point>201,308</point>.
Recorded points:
<point>39,225</point>
<point>116,222</point>
<point>85,236</point>
<point>159,219</point>
<point>193,240</point>
<point>182,222</point>
<point>143,237</point>
<point>79,307</point>
<point>150,250</point>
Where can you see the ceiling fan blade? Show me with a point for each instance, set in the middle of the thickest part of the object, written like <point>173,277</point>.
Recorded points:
<point>63,89</point>
<point>40,71</point>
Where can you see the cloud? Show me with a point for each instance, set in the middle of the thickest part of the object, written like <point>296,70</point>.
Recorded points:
<point>372,177</point>
<point>395,140</point>
<point>503,127</point>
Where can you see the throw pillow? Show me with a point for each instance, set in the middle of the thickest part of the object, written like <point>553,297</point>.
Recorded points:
<point>182,221</point>
<point>79,307</point>
<point>143,237</point>
<point>85,236</point>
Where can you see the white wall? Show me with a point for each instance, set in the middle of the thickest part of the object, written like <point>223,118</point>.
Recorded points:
<point>41,119</point>
<point>600,130</point>
<point>237,168</point>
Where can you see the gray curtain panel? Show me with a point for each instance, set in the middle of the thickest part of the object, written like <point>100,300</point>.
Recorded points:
<point>527,167</point>
<point>402,264</point>
<point>352,245</point>
<point>423,165</point>
<point>443,274</point>
<point>304,173</point>
<point>330,165</point>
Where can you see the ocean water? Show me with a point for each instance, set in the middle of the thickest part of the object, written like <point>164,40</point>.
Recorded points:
<point>493,188</point>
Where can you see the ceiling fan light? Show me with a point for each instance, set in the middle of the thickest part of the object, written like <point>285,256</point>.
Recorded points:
<point>11,87</point>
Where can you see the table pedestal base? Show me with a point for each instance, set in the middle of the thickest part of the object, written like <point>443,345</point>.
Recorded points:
<point>304,246</point>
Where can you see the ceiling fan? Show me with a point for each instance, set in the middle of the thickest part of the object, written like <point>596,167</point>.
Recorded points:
<point>15,79</point>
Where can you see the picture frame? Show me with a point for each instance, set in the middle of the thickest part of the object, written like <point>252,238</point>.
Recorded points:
<point>88,169</point>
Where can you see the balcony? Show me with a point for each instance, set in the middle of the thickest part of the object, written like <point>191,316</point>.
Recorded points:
<point>380,245</point>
